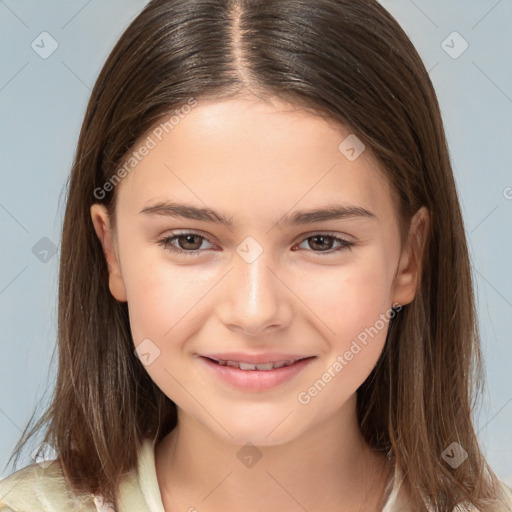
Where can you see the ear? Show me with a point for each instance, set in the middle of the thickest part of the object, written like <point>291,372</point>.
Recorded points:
<point>410,265</point>
<point>101,222</point>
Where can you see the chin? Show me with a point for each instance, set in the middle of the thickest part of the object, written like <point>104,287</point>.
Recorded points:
<point>258,430</point>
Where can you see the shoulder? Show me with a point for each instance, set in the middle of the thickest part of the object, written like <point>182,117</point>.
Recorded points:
<point>41,488</point>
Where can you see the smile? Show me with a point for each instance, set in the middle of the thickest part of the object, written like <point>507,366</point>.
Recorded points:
<point>250,366</point>
<point>255,376</point>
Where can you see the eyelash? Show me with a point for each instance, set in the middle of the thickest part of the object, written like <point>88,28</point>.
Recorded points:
<point>166,243</point>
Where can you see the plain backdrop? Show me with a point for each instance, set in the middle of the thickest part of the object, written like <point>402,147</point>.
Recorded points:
<point>44,87</point>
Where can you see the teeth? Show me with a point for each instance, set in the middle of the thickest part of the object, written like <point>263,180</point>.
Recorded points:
<point>249,366</point>
<point>280,364</point>
<point>262,367</point>
<point>266,366</point>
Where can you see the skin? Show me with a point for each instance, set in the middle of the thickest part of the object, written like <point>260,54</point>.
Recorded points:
<point>256,161</point>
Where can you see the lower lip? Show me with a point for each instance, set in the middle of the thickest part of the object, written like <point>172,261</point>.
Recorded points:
<point>256,380</point>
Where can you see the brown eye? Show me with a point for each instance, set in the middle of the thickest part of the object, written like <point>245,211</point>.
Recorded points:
<point>189,242</point>
<point>324,243</point>
<point>184,243</point>
<point>321,242</point>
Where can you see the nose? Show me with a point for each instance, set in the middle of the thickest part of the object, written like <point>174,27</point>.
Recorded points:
<point>255,299</point>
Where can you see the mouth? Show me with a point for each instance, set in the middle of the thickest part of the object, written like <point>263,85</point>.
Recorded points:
<point>255,373</point>
<point>246,366</point>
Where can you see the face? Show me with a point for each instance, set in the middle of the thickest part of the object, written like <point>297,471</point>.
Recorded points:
<point>220,258</point>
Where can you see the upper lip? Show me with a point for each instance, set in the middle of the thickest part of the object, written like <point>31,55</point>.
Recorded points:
<point>273,357</point>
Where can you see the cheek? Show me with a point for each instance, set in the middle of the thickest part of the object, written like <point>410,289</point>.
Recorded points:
<point>349,298</point>
<point>163,299</point>
<point>166,308</point>
<point>354,310</point>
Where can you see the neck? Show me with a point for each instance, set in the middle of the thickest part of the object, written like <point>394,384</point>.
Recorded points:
<point>327,468</point>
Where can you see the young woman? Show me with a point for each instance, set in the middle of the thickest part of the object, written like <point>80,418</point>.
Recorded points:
<point>265,296</point>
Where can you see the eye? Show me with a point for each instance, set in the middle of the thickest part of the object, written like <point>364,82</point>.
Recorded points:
<point>325,242</point>
<point>187,243</point>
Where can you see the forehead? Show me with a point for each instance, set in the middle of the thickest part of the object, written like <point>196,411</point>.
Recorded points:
<point>254,156</point>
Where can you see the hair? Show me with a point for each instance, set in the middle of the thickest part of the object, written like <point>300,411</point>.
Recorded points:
<point>347,60</point>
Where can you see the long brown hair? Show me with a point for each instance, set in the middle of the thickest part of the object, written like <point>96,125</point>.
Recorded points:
<point>350,61</point>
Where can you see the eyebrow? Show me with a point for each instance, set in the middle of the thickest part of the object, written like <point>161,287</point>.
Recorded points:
<point>329,212</point>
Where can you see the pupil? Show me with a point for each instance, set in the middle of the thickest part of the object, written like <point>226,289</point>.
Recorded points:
<point>190,240</point>
<point>322,241</point>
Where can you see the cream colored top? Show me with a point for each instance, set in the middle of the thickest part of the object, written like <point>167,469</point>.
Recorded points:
<point>41,487</point>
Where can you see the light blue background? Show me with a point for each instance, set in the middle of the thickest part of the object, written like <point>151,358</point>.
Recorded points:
<point>42,102</point>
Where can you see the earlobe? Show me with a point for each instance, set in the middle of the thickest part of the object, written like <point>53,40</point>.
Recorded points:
<point>101,222</point>
<point>409,269</point>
